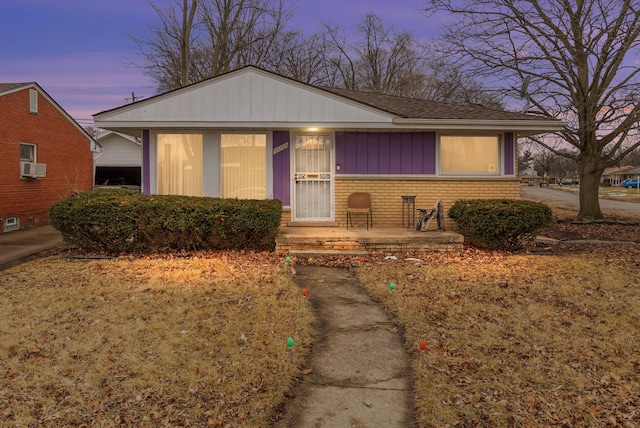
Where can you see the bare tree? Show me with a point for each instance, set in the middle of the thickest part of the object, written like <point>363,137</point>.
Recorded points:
<point>447,82</point>
<point>395,63</point>
<point>386,61</point>
<point>300,57</point>
<point>188,14</point>
<point>162,51</point>
<point>198,39</point>
<point>577,54</point>
<point>241,32</point>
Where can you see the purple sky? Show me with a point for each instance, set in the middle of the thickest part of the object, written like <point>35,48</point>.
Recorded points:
<point>80,52</point>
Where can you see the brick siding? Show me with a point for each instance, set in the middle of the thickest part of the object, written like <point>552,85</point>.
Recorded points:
<point>60,144</point>
<point>386,195</point>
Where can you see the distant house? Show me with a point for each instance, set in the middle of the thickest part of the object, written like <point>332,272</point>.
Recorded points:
<point>118,161</point>
<point>633,172</point>
<point>44,155</point>
<point>251,133</point>
<point>614,176</point>
<point>530,177</point>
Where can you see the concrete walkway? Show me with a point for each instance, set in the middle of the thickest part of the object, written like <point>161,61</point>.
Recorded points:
<point>20,245</point>
<point>361,374</point>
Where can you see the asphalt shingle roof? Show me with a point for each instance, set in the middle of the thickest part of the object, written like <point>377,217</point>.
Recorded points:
<point>412,108</point>
<point>4,87</point>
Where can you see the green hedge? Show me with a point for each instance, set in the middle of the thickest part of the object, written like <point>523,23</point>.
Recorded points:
<point>501,223</point>
<point>116,221</point>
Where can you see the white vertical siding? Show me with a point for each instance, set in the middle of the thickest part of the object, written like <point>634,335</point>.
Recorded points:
<point>119,151</point>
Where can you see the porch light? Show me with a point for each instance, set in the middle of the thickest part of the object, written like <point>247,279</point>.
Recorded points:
<point>313,129</point>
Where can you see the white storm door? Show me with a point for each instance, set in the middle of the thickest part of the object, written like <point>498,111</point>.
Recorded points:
<point>313,178</point>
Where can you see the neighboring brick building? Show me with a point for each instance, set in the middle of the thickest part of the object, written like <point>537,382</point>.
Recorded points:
<point>44,155</point>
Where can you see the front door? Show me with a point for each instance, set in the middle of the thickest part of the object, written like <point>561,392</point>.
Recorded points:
<point>313,178</point>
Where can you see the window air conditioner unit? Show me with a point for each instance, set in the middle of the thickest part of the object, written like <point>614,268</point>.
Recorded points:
<point>41,169</point>
<point>27,169</point>
<point>32,169</point>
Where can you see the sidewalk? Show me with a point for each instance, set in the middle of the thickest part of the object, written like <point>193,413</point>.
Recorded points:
<point>360,371</point>
<point>21,244</point>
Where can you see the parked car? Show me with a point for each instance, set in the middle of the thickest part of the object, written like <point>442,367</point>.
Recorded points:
<point>631,183</point>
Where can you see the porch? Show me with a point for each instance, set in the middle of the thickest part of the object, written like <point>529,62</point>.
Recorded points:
<point>314,240</point>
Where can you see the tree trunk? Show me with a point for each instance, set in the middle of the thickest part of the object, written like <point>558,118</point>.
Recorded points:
<point>590,174</point>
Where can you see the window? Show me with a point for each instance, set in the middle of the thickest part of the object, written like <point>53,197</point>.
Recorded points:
<point>27,152</point>
<point>244,166</point>
<point>180,164</point>
<point>33,101</point>
<point>469,154</point>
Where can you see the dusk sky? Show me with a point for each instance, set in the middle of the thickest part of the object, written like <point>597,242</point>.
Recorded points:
<point>80,52</point>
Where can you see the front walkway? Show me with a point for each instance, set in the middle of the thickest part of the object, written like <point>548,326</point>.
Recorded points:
<point>309,241</point>
<point>360,371</point>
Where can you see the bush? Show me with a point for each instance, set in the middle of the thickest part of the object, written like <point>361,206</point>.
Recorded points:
<point>507,224</point>
<point>115,221</point>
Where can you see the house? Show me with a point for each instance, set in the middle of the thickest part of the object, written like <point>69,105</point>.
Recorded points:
<point>614,176</point>
<point>118,160</point>
<point>251,133</point>
<point>44,155</point>
<point>633,172</point>
<point>530,177</point>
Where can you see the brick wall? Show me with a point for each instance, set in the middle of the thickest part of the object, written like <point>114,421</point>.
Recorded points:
<point>60,144</point>
<point>387,202</point>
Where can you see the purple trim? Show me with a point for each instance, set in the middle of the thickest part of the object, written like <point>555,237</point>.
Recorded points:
<point>386,152</point>
<point>509,151</point>
<point>146,171</point>
<point>282,168</point>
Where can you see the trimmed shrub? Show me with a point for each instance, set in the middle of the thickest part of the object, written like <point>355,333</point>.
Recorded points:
<point>507,224</point>
<point>116,221</point>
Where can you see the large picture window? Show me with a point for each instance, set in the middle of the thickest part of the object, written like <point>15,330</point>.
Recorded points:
<point>244,166</point>
<point>464,154</point>
<point>180,164</point>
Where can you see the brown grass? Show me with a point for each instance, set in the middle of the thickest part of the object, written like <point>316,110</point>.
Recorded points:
<point>512,339</point>
<point>156,342</point>
<point>517,340</point>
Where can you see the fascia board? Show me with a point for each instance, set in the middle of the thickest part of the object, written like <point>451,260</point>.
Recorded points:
<point>466,124</point>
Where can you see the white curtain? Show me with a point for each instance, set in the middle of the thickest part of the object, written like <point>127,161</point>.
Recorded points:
<point>180,164</point>
<point>469,154</point>
<point>244,166</point>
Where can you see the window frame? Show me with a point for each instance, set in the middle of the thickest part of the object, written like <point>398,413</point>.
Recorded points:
<point>499,155</point>
<point>34,152</point>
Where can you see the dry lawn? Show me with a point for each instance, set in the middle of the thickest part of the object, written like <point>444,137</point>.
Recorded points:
<point>512,339</point>
<point>198,341</point>
<point>519,340</point>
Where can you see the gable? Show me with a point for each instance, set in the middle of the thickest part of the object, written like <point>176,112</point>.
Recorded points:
<point>248,97</point>
<point>118,150</point>
<point>31,107</point>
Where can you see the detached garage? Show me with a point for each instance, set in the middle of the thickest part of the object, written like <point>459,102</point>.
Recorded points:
<point>119,160</point>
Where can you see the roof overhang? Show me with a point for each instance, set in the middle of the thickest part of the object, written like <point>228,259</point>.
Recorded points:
<point>522,127</point>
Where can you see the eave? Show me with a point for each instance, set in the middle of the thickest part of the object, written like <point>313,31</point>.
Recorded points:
<point>522,127</point>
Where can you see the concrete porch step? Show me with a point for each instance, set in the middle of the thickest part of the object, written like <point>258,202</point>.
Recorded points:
<point>319,252</point>
<point>361,241</point>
